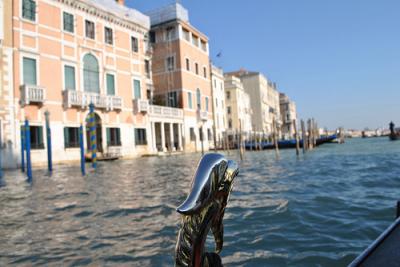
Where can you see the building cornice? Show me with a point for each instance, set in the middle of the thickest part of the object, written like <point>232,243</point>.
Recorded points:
<point>105,15</point>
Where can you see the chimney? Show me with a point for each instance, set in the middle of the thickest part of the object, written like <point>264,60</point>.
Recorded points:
<point>121,2</point>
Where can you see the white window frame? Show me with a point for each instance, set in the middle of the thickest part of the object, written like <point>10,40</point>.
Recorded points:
<point>21,67</point>
<point>63,74</point>
<point>113,73</point>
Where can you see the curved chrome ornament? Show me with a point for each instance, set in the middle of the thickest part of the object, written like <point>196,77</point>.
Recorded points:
<point>204,209</point>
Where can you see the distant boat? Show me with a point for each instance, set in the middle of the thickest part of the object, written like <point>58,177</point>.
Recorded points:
<point>394,132</point>
<point>283,144</point>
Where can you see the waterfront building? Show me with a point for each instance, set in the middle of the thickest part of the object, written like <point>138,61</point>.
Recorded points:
<point>7,105</point>
<point>238,108</point>
<point>181,75</point>
<point>68,54</point>
<point>288,114</point>
<point>219,110</point>
<point>264,98</point>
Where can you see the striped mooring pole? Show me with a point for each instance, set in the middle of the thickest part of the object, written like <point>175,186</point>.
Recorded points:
<point>28,151</point>
<point>48,136</point>
<point>93,146</point>
<point>22,148</point>
<point>82,150</point>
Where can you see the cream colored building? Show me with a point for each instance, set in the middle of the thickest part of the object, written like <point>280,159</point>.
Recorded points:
<point>288,114</point>
<point>219,110</point>
<point>181,75</point>
<point>238,107</point>
<point>264,98</point>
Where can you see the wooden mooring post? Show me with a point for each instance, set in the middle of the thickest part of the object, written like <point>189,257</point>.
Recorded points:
<point>275,137</point>
<point>296,136</point>
<point>303,136</point>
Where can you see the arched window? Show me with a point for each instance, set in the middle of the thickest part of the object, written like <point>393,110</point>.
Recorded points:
<point>198,94</point>
<point>91,74</point>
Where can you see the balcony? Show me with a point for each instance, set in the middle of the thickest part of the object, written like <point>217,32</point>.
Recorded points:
<point>163,112</point>
<point>202,115</point>
<point>32,94</point>
<point>140,106</point>
<point>83,99</point>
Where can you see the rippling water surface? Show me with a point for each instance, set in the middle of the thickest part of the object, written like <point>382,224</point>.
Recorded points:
<point>321,209</point>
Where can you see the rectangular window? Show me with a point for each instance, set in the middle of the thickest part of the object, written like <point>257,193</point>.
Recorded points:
<point>209,134</point>
<point>170,33</point>
<point>172,99</point>
<point>152,37</point>
<point>205,72</point>
<point>228,109</point>
<point>170,63</point>
<point>89,29</point>
<point>147,68</point>
<point>187,64</point>
<point>113,136</point>
<point>108,35</point>
<point>137,89</point>
<point>69,77</point>
<point>29,71</point>
<point>36,134</point>
<point>71,137</point>
<point>190,100</point>
<point>134,44</point>
<point>196,68</point>
<point>228,95</point>
<point>29,9</point>
<point>68,21</point>
<point>206,103</point>
<point>140,137</point>
<point>192,135</point>
<point>110,84</point>
<point>201,134</point>
<point>195,40</point>
<point>186,35</point>
<point>204,46</point>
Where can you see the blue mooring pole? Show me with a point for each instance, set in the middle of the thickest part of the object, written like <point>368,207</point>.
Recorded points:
<point>22,148</point>
<point>82,150</point>
<point>28,151</point>
<point>93,146</point>
<point>48,136</point>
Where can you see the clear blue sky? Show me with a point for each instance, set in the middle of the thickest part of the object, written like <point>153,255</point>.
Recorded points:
<point>338,60</point>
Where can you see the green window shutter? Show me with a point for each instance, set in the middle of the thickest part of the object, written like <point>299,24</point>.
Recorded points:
<point>66,137</point>
<point>110,84</point>
<point>69,76</point>
<point>136,136</point>
<point>29,71</point>
<point>108,137</point>
<point>206,103</point>
<point>29,10</point>
<point>40,136</point>
<point>68,20</point>
<point>137,89</point>
<point>118,136</point>
<point>190,100</point>
<point>91,74</point>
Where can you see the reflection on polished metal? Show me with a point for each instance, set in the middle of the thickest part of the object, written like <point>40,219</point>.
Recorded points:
<point>204,209</point>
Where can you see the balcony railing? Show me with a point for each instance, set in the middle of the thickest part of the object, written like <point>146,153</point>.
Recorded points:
<point>202,115</point>
<point>140,106</point>
<point>32,94</point>
<point>83,99</point>
<point>161,111</point>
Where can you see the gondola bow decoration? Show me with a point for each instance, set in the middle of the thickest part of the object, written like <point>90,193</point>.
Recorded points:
<point>203,210</point>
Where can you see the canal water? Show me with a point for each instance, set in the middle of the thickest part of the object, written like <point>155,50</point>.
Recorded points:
<point>321,209</point>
